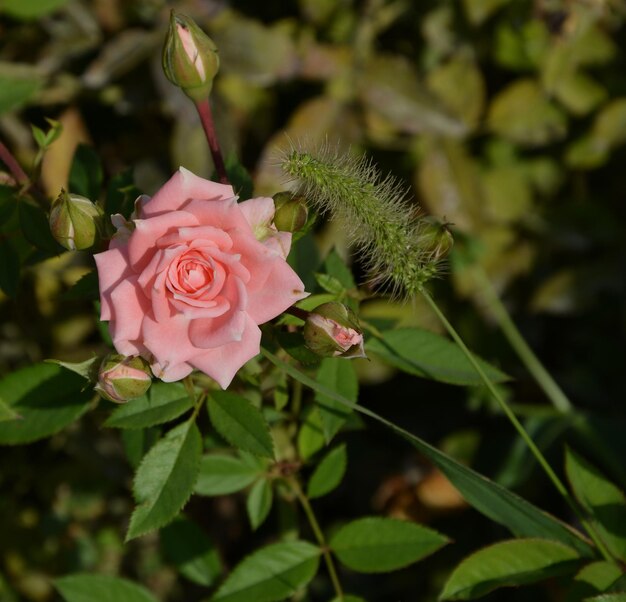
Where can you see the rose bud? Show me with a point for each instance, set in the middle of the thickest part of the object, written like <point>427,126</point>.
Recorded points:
<point>291,212</point>
<point>75,222</point>
<point>122,378</point>
<point>190,59</point>
<point>332,330</point>
<point>435,238</point>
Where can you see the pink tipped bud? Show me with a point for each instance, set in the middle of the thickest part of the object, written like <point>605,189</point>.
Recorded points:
<point>123,378</point>
<point>190,59</point>
<point>332,330</point>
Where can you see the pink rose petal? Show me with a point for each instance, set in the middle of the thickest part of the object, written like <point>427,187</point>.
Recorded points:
<point>181,187</point>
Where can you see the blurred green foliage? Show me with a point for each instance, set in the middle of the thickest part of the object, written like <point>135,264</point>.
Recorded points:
<point>506,117</point>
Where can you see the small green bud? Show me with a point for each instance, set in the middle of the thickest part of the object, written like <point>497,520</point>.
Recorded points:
<point>333,330</point>
<point>122,378</point>
<point>291,212</point>
<point>434,238</point>
<point>75,222</point>
<point>190,59</point>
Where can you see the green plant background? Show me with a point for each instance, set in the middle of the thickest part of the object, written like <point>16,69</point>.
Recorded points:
<point>506,117</point>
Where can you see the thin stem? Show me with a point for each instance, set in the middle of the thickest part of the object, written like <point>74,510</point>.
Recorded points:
<point>191,391</point>
<point>558,484</point>
<point>516,340</point>
<point>206,117</point>
<point>319,535</point>
<point>14,167</point>
<point>25,183</point>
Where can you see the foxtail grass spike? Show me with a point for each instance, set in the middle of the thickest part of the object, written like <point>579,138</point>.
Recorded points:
<point>380,220</point>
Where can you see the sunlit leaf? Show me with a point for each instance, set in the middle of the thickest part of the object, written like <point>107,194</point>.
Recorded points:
<point>220,475</point>
<point>165,479</point>
<point>379,545</point>
<point>270,574</point>
<point>508,563</point>
<point>162,403</point>
<point>523,114</point>
<point>240,423</point>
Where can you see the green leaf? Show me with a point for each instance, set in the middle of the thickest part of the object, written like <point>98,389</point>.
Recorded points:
<point>220,475</point>
<point>330,284</point>
<point>489,498</point>
<point>19,83</point>
<point>162,403</point>
<point>429,355</point>
<point>187,547</point>
<point>165,479</point>
<point>36,229</point>
<point>86,173</point>
<point>380,545</point>
<point>100,588</point>
<point>604,501</point>
<point>328,473</point>
<point>240,423</point>
<point>45,138</point>
<point>7,412</point>
<point>270,574</point>
<point>84,369</point>
<point>592,579</point>
<point>9,268</point>
<point>349,598</point>
<point>617,597</point>
<point>310,436</point>
<point>46,397</point>
<point>508,563</point>
<point>523,114</point>
<point>259,502</point>
<point>339,375</point>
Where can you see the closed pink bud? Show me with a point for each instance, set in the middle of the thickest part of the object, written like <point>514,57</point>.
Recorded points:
<point>123,378</point>
<point>332,330</point>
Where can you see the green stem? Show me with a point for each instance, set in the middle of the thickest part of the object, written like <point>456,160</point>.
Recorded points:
<point>516,340</point>
<point>319,535</point>
<point>558,484</point>
<point>191,391</point>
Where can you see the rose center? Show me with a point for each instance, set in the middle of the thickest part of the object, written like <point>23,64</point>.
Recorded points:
<point>194,275</point>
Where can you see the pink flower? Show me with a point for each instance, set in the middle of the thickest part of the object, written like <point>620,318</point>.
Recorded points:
<point>187,283</point>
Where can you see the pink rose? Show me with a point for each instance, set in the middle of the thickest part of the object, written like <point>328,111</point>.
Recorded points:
<point>187,283</point>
